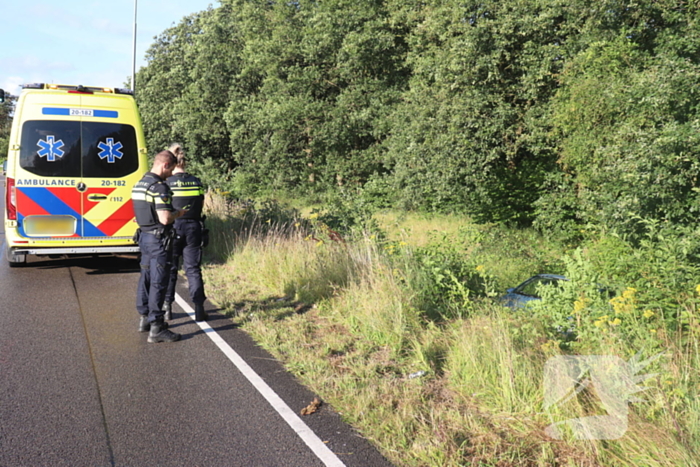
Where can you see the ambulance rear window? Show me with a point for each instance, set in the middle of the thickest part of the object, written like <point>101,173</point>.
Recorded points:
<point>109,150</point>
<point>53,148</point>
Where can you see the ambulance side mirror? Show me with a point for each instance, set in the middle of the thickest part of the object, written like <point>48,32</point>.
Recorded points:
<point>2,96</point>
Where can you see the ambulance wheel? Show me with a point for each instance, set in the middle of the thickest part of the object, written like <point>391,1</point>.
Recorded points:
<point>16,260</point>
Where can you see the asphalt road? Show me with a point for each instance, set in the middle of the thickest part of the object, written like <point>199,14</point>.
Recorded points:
<point>80,386</point>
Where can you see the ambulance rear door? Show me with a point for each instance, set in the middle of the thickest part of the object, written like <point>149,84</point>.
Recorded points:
<point>78,165</point>
<point>109,171</point>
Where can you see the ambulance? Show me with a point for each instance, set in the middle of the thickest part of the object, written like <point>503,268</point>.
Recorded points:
<point>74,154</point>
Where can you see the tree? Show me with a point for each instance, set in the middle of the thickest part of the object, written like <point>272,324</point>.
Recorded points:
<point>213,62</point>
<point>471,134</point>
<point>507,111</point>
<point>627,118</point>
<point>6,111</point>
<point>184,90</point>
<point>325,75</point>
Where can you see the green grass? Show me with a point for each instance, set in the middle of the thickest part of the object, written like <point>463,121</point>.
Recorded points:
<point>509,255</point>
<point>356,322</point>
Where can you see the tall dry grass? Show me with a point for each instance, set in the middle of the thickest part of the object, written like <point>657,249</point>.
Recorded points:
<point>346,318</point>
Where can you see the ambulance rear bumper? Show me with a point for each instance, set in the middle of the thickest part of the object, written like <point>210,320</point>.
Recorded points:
<point>76,250</point>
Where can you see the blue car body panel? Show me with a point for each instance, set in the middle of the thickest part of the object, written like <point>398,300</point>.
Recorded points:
<point>519,296</point>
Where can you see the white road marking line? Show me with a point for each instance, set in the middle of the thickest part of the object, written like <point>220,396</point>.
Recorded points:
<point>305,433</point>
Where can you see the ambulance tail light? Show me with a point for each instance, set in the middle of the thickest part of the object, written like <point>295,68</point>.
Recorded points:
<point>11,199</point>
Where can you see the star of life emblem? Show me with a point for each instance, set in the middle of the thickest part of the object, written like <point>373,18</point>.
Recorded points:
<point>110,150</point>
<point>50,149</point>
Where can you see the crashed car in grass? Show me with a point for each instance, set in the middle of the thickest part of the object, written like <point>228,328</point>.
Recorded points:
<point>518,297</point>
<point>531,291</point>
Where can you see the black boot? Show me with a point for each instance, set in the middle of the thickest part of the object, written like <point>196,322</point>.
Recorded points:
<point>160,333</point>
<point>168,309</point>
<point>145,326</point>
<point>199,313</point>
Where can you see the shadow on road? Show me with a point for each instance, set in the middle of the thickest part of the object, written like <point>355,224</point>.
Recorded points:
<point>216,321</point>
<point>93,264</point>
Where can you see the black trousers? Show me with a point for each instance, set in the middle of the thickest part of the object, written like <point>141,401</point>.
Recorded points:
<point>153,282</point>
<point>188,246</point>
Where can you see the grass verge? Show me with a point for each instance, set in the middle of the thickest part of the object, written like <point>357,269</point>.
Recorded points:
<point>435,373</point>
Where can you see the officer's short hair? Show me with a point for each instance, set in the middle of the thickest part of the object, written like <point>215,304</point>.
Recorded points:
<point>176,148</point>
<point>167,158</point>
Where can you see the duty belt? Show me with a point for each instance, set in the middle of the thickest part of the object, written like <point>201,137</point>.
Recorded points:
<point>158,233</point>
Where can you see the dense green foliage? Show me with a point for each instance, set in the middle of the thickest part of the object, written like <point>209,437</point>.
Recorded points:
<point>559,112</point>
<point>184,91</point>
<point>6,110</point>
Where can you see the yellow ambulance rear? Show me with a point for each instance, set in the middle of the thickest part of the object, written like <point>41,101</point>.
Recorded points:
<point>74,154</point>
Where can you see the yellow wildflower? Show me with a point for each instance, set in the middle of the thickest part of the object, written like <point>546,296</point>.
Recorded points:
<point>580,304</point>
<point>615,322</point>
<point>653,331</point>
<point>697,288</point>
<point>626,302</point>
<point>600,321</point>
<point>313,215</point>
<point>548,346</point>
<point>648,313</point>
<point>480,268</point>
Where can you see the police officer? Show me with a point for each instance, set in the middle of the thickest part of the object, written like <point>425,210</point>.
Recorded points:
<point>187,192</point>
<point>152,199</point>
